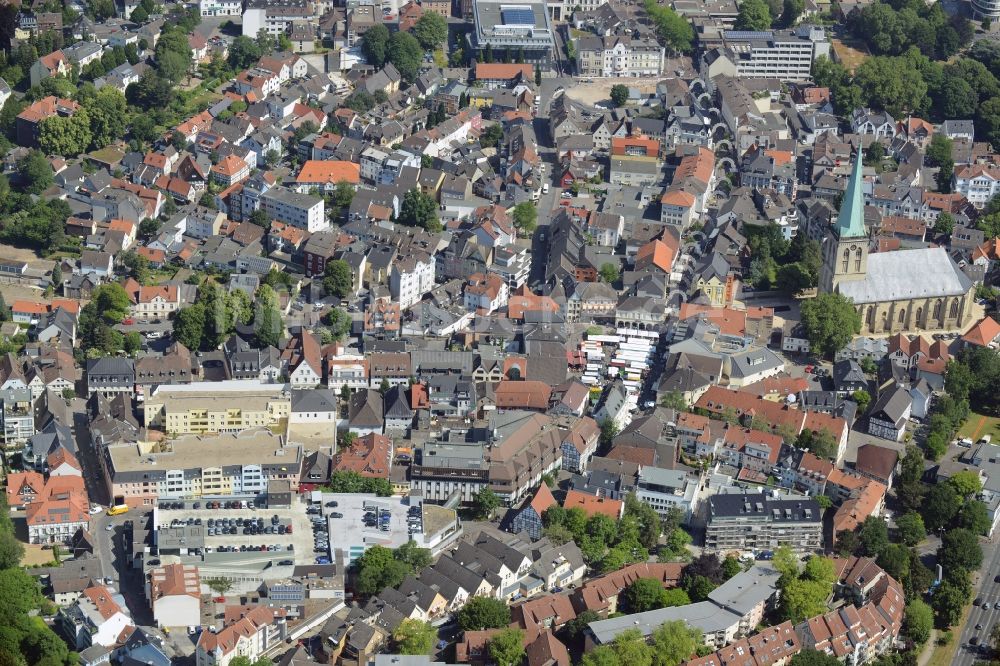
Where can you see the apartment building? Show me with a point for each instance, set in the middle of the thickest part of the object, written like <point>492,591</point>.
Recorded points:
<point>174,592</point>
<point>229,406</point>
<point>665,489</point>
<point>98,617</point>
<point>619,56</point>
<point>978,183</point>
<point>411,277</point>
<point>516,27</point>
<point>759,522</point>
<point>253,634</point>
<point>299,210</point>
<point>221,7</point>
<point>787,55</point>
<point>443,469</point>
<point>193,466</point>
<point>153,303</point>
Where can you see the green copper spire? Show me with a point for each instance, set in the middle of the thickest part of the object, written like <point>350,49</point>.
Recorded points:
<point>851,219</point>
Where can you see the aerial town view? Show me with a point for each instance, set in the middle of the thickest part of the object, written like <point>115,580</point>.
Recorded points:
<point>500,332</point>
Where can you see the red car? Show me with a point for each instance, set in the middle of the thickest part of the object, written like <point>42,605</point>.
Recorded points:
<point>220,599</point>
<point>128,321</point>
<point>809,369</point>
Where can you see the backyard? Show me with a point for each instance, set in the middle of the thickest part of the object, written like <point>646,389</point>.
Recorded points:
<point>978,425</point>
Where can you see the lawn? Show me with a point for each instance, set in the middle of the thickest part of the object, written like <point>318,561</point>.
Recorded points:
<point>850,53</point>
<point>978,425</point>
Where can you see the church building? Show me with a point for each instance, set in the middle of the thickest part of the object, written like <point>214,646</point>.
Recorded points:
<point>903,291</point>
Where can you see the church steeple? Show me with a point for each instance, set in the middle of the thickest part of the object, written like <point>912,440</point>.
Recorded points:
<point>845,250</point>
<point>851,218</point>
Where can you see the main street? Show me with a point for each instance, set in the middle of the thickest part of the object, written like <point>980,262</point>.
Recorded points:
<point>986,589</point>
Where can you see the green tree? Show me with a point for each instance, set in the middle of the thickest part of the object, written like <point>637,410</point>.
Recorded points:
<point>525,217</point>
<point>413,556</point>
<point>753,15</point>
<point>966,483</point>
<point>414,636</point>
<point>219,585</point>
<point>948,602</point>
<point>814,658</point>
<point>874,536</point>
<point>491,136</point>
<point>674,596</point>
<point>405,53</point>
<point>65,135</point>
<point>960,549</point>
<point>910,528</point>
<point>139,15</point>
<point>431,30</point>
<point>975,517</point>
<point>609,272</point>
<point>133,342</point>
<point>830,321</point>
<point>893,84</point>
<point>485,502</point>
<point>378,569</point>
<point>801,599</point>
<point>260,218</point>
<point>819,570</point>
<point>676,31</point>
<point>35,172</point>
<point>109,116</point>
<point>731,566</point>
<point>643,595</point>
<point>507,647</point>
<point>375,45</point>
<point>895,560</point>
<point>940,506</point>
<point>674,642</point>
<point>602,655</point>
<point>338,279</point>
<point>918,621</point>
<point>269,329</point>
<point>794,277</point>
<point>189,326</point>
<point>619,94</point>
<point>631,648</point>
<point>791,11</point>
<point>821,444</point>
<point>419,210</point>
<point>483,613</point>
<point>862,398</point>
<point>338,323</point>
<point>939,150</point>
<point>944,224</point>
<point>580,622</point>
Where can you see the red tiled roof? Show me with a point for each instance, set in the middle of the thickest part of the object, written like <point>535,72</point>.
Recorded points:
<point>593,505</point>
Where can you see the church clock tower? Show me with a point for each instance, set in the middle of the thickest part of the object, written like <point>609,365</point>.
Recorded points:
<point>845,249</point>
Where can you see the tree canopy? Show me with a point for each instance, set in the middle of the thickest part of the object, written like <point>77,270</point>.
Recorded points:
<point>830,321</point>
<point>483,613</point>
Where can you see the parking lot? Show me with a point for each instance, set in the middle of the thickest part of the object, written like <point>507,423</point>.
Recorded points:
<point>301,537</point>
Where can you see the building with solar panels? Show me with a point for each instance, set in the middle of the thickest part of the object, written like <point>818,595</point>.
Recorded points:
<point>787,55</point>
<point>514,27</point>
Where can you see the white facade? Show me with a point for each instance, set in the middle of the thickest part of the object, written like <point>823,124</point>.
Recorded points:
<point>411,278</point>
<point>978,183</point>
<point>619,57</point>
<point>157,307</point>
<point>221,7</point>
<point>305,376</point>
<point>299,210</point>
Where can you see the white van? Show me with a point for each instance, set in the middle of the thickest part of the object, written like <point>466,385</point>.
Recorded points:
<point>545,188</point>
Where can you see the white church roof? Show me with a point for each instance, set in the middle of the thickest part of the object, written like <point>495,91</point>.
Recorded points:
<point>906,274</point>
